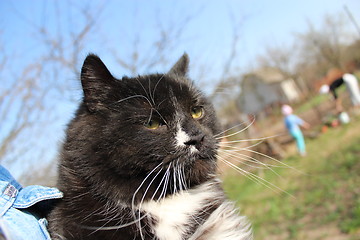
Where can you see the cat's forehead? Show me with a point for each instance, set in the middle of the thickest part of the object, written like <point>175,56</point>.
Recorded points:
<point>162,87</point>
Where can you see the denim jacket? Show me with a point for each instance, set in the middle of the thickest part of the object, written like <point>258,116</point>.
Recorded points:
<point>21,209</point>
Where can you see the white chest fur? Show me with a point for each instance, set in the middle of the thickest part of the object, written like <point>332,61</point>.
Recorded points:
<point>174,213</point>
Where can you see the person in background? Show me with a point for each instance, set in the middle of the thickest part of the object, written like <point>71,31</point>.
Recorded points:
<point>293,123</point>
<point>351,85</point>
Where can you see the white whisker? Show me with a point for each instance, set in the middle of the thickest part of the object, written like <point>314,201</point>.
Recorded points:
<point>182,176</point>
<point>151,97</point>
<point>138,189</point>
<point>256,178</point>
<point>252,139</point>
<point>274,159</point>
<point>242,158</point>
<point>243,172</point>
<point>158,187</point>
<point>240,131</point>
<point>167,174</point>
<point>157,83</point>
<point>237,125</point>
<point>247,147</point>
<point>142,200</point>
<point>114,227</point>
<point>147,94</point>
<point>134,195</point>
<point>147,189</point>
<point>134,96</point>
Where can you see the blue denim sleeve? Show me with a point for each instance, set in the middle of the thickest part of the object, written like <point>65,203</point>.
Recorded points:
<point>17,221</point>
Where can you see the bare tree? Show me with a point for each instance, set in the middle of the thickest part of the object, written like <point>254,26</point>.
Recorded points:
<point>325,46</point>
<point>282,58</point>
<point>313,52</point>
<point>228,85</point>
<point>28,106</point>
<point>20,101</point>
<point>168,34</point>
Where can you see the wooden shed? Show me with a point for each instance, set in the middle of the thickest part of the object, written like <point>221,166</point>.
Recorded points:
<point>264,88</point>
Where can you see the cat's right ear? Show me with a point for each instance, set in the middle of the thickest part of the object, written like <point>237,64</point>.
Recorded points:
<point>181,67</point>
<point>96,81</point>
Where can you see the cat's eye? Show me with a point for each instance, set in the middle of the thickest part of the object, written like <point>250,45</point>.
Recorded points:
<point>197,112</point>
<point>153,124</point>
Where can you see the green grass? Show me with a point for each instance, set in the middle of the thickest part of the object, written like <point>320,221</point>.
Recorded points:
<point>323,191</point>
<point>313,102</point>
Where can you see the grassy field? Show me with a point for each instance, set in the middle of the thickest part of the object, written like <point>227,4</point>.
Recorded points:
<point>320,197</point>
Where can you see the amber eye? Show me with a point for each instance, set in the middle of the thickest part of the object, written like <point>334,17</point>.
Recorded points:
<point>153,124</point>
<point>197,112</point>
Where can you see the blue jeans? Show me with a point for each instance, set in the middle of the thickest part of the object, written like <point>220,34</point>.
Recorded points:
<point>18,221</point>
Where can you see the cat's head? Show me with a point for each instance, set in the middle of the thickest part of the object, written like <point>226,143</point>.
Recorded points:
<point>157,128</point>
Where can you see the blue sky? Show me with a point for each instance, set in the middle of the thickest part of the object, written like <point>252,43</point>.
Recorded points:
<point>206,38</point>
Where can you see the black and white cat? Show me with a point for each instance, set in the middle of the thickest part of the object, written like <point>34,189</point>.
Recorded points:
<point>139,162</point>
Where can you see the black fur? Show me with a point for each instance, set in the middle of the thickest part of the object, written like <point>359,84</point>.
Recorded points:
<point>109,151</point>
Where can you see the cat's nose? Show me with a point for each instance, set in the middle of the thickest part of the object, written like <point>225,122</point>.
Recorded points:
<point>196,141</point>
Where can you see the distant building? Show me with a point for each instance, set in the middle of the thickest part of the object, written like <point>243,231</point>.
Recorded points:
<point>265,88</point>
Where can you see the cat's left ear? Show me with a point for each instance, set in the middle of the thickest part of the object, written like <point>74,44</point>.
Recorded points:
<point>96,81</point>
<point>181,67</point>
